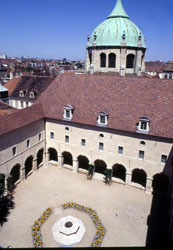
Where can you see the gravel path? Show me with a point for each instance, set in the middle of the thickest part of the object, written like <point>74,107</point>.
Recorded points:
<point>52,186</point>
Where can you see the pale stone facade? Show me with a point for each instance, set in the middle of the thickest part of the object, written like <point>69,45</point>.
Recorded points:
<point>40,138</point>
<point>94,65</point>
<point>19,104</point>
<point>35,133</point>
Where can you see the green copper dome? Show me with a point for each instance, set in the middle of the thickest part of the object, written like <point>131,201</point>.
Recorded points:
<point>110,32</point>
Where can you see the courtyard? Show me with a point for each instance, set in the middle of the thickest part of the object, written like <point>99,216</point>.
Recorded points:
<point>123,210</point>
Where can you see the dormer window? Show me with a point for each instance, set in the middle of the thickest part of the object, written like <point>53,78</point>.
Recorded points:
<point>31,95</point>
<point>21,93</point>
<point>68,112</point>
<point>143,125</point>
<point>102,119</point>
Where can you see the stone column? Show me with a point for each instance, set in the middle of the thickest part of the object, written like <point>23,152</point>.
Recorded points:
<point>149,185</point>
<point>34,168</point>
<point>60,160</point>
<point>46,157</point>
<point>123,61</point>
<point>128,178</point>
<point>75,165</point>
<point>138,66</point>
<point>5,186</point>
<point>22,173</point>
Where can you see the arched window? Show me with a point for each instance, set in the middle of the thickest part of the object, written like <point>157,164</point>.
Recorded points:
<point>53,155</point>
<point>130,61</point>
<point>68,159</point>
<point>139,176</point>
<point>102,60</point>
<point>15,173</point>
<point>28,165</point>
<point>40,157</point>
<point>90,58</point>
<point>119,171</point>
<point>83,162</point>
<point>112,60</point>
<point>100,166</point>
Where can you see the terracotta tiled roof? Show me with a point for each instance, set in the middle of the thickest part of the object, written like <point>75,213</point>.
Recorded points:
<point>5,108</point>
<point>20,118</point>
<point>154,66</point>
<point>125,99</point>
<point>11,85</point>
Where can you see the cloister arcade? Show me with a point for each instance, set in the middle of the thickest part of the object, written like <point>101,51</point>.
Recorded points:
<point>158,183</point>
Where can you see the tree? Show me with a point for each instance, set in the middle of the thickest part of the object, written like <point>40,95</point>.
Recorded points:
<point>108,175</point>
<point>6,202</point>
<point>91,169</point>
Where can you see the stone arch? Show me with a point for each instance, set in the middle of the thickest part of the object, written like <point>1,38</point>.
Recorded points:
<point>130,61</point>
<point>103,60</point>
<point>28,165</point>
<point>100,166</point>
<point>160,183</point>
<point>83,162</point>
<point>139,176</point>
<point>53,155</point>
<point>119,171</point>
<point>112,60</point>
<point>15,173</point>
<point>40,157</point>
<point>68,158</point>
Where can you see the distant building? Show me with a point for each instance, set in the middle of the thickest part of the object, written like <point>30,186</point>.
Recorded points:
<point>3,56</point>
<point>24,91</point>
<point>3,93</point>
<point>154,68</point>
<point>167,71</point>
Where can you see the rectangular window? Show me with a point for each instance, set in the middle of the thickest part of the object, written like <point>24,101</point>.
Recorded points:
<point>163,158</point>
<point>83,142</point>
<point>28,143</point>
<point>102,119</point>
<point>21,104</point>
<point>39,137</point>
<point>120,150</point>
<point>67,139</point>
<point>143,125</point>
<point>67,113</point>
<point>141,154</point>
<point>101,146</point>
<point>26,104</point>
<point>51,135</point>
<point>14,151</point>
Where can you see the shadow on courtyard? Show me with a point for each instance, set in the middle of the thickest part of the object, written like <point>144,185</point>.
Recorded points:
<point>159,219</point>
<point>158,222</point>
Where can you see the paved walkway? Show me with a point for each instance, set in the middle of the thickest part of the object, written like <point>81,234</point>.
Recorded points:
<point>51,186</point>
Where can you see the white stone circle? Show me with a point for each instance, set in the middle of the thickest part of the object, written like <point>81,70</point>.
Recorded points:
<point>68,235</point>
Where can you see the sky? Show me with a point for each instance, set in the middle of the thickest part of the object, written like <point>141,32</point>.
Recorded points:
<point>59,28</point>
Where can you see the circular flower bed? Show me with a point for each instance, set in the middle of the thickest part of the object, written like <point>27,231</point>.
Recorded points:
<point>36,233</point>
<point>100,229</point>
